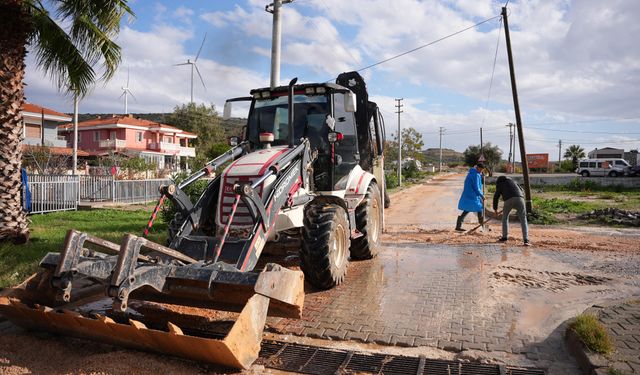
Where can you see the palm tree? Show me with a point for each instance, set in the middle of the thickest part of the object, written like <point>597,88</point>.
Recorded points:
<point>574,152</point>
<point>68,56</point>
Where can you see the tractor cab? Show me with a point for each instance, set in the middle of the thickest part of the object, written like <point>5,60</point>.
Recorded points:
<point>322,113</point>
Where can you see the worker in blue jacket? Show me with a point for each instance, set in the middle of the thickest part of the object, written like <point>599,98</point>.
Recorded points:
<point>472,199</point>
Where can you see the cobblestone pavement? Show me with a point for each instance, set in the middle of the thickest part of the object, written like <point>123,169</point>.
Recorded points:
<point>623,323</point>
<point>492,302</point>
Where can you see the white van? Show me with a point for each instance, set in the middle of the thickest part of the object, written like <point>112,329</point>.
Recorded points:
<point>603,167</point>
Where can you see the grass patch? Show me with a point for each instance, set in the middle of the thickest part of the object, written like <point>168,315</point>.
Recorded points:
<point>615,371</point>
<point>48,232</point>
<point>592,333</point>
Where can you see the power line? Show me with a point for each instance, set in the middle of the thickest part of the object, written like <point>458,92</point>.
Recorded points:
<point>426,45</point>
<point>493,70</point>
<point>577,131</point>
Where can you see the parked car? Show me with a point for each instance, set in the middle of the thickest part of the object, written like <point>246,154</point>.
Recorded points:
<point>603,167</point>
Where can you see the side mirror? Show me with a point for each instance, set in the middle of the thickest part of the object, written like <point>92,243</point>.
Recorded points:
<point>234,141</point>
<point>350,102</point>
<point>226,113</point>
<point>330,122</point>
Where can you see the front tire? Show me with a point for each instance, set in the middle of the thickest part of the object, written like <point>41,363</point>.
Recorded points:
<point>613,174</point>
<point>369,223</point>
<point>585,173</point>
<point>324,254</point>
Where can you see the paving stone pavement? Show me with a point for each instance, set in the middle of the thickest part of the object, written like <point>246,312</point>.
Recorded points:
<point>439,296</point>
<point>623,323</point>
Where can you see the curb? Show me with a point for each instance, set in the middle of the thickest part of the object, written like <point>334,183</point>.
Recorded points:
<point>590,363</point>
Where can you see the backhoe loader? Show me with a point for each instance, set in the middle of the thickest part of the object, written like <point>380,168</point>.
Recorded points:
<point>309,165</point>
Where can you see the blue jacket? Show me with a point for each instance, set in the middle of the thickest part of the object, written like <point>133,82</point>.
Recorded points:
<point>471,199</point>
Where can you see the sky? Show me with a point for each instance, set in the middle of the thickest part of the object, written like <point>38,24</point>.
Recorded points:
<point>577,64</point>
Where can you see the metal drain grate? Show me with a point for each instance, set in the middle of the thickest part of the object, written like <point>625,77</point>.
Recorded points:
<point>320,361</point>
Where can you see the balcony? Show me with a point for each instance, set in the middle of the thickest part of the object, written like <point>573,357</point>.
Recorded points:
<point>164,147</point>
<point>187,151</point>
<point>113,143</point>
<point>173,149</point>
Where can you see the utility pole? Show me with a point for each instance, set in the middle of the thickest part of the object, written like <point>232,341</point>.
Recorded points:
<point>559,152</point>
<point>510,168</point>
<point>75,134</point>
<point>481,145</point>
<point>440,164</point>
<point>516,105</point>
<point>399,105</point>
<point>276,36</point>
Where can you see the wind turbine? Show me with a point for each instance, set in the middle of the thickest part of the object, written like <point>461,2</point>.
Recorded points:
<point>125,92</point>
<point>193,65</point>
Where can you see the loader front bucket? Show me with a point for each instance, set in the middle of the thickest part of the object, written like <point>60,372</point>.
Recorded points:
<point>239,348</point>
<point>204,311</point>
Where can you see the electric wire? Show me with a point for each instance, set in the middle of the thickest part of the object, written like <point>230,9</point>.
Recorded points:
<point>425,45</point>
<point>493,70</point>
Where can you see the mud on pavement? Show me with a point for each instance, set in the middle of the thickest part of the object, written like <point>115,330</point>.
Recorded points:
<point>431,292</point>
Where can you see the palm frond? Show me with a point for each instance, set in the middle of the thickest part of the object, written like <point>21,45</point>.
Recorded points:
<point>69,57</point>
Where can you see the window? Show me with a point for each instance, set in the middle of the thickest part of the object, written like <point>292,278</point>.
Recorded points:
<point>592,164</point>
<point>96,136</point>
<point>584,164</point>
<point>138,137</point>
<point>168,139</point>
<point>112,135</point>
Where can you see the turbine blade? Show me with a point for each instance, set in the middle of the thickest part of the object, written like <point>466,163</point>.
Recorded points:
<point>127,77</point>
<point>133,96</point>
<point>187,63</point>
<point>121,95</point>
<point>199,75</point>
<point>201,45</point>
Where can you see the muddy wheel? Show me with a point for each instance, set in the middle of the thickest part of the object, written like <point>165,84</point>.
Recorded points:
<point>325,247</point>
<point>369,223</point>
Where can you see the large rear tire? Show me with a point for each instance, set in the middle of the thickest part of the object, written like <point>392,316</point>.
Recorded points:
<point>324,254</point>
<point>369,223</point>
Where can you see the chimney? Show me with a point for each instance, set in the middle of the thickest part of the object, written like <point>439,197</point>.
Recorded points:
<point>130,115</point>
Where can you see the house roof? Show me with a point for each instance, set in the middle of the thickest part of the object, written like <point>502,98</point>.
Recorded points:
<point>115,121</point>
<point>56,150</point>
<point>30,109</point>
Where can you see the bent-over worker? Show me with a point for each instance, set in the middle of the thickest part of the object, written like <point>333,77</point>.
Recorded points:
<point>513,198</point>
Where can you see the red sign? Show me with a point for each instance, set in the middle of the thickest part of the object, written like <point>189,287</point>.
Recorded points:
<point>538,160</point>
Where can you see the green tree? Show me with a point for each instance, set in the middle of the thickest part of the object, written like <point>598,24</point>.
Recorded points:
<point>67,56</point>
<point>574,152</point>
<point>492,156</point>
<point>412,145</point>
<point>204,121</point>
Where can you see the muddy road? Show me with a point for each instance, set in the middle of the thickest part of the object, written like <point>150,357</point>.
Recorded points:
<point>430,292</point>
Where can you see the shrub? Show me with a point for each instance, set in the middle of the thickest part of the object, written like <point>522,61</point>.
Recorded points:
<point>391,180</point>
<point>194,191</point>
<point>592,333</point>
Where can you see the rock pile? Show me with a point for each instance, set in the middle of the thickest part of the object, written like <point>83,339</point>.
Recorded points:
<point>614,216</point>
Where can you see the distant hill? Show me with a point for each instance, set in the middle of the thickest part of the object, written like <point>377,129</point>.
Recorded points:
<point>232,126</point>
<point>432,155</point>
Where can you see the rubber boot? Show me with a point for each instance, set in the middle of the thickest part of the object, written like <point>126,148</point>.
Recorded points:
<point>459,224</point>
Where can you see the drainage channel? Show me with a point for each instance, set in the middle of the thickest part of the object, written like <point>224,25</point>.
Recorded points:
<point>317,360</point>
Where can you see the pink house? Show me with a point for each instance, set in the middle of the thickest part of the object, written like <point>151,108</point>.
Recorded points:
<point>158,143</point>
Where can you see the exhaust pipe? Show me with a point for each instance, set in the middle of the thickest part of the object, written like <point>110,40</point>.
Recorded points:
<point>291,127</point>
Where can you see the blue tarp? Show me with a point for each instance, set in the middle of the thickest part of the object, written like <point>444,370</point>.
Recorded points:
<point>26,193</point>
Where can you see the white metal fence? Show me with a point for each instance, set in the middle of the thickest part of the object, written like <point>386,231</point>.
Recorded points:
<point>60,192</point>
<point>53,193</point>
